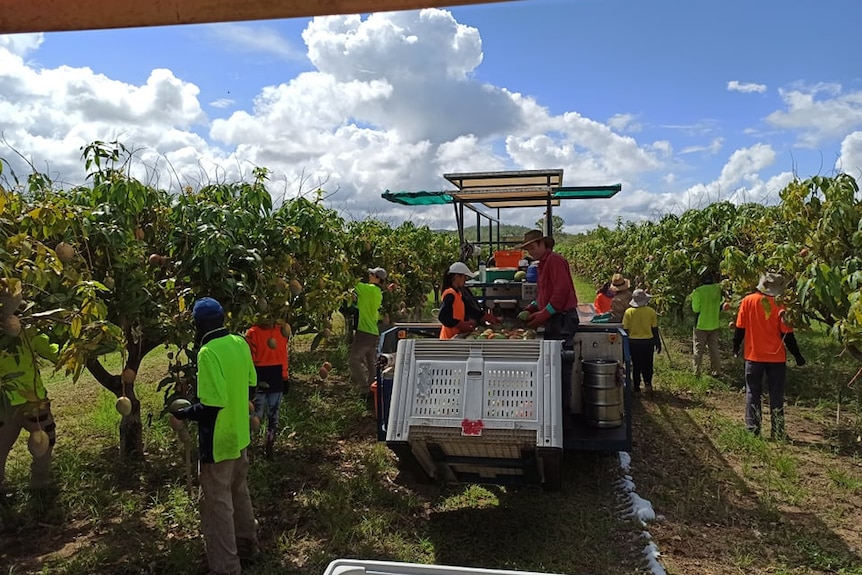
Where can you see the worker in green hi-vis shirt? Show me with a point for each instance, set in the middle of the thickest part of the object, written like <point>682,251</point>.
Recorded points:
<point>706,304</point>
<point>363,350</point>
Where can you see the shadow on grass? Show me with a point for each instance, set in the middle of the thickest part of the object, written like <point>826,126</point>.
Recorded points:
<point>718,521</point>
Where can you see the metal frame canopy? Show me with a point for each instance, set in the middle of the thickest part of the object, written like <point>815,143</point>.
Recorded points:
<point>58,15</point>
<point>506,189</point>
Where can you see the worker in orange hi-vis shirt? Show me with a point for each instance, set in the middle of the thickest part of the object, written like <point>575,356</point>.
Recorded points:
<point>269,351</point>
<point>760,323</point>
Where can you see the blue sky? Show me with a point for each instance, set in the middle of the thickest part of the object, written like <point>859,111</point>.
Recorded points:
<point>682,102</point>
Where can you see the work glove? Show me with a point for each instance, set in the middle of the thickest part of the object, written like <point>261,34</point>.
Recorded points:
<point>736,351</point>
<point>490,318</point>
<point>538,319</point>
<point>800,361</point>
<point>657,345</point>
<point>466,326</point>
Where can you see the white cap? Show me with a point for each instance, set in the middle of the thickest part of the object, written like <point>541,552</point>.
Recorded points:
<point>379,272</point>
<point>461,268</point>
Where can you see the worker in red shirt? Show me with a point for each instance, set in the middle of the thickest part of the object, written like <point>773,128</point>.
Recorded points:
<point>556,304</point>
<point>760,323</point>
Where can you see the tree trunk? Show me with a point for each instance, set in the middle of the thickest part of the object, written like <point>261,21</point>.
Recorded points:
<point>131,427</point>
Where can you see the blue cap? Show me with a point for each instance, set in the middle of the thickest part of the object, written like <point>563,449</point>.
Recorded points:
<point>207,308</point>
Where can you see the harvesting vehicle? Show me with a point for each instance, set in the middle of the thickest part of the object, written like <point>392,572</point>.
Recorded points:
<point>490,409</point>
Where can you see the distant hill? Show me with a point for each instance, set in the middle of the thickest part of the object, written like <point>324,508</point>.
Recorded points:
<point>507,233</point>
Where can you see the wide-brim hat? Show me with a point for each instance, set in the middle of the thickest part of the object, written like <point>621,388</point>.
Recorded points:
<point>772,284</point>
<point>461,268</point>
<point>620,283</point>
<point>379,272</point>
<point>640,298</point>
<point>534,236</point>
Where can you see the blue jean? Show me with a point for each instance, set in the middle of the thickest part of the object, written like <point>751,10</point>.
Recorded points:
<point>269,402</point>
<point>775,374</point>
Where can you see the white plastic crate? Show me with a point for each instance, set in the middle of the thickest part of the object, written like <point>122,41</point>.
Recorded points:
<point>529,291</point>
<point>358,567</point>
<point>487,391</point>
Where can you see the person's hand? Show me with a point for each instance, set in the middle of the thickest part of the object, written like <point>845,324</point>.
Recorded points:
<point>524,315</point>
<point>735,351</point>
<point>466,326</point>
<point>800,361</point>
<point>658,345</point>
<point>538,319</point>
<point>490,318</point>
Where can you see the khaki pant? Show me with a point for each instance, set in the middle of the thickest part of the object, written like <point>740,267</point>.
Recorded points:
<point>704,339</point>
<point>227,518</point>
<point>363,360</point>
<point>32,417</point>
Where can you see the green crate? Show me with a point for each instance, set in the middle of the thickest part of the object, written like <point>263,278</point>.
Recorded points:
<point>492,274</point>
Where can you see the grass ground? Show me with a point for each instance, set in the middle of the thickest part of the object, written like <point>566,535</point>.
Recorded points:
<point>728,502</point>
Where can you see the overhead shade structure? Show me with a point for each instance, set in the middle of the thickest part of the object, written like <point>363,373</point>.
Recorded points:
<point>505,189</point>
<point>59,15</point>
<point>502,197</point>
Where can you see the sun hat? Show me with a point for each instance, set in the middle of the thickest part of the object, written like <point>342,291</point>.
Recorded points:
<point>379,272</point>
<point>772,284</point>
<point>620,283</point>
<point>207,308</point>
<point>461,268</point>
<point>640,298</point>
<point>534,236</point>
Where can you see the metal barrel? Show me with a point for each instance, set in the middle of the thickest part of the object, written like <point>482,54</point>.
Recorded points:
<point>603,393</point>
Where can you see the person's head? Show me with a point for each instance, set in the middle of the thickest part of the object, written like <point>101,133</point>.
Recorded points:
<point>640,298</point>
<point>266,322</point>
<point>707,278</point>
<point>772,284</point>
<point>605,288</point>
<point>457,275</point>
<point>536,243</point>
<point>619,283</point>
<point>377,275</point>
<point>208,314</point>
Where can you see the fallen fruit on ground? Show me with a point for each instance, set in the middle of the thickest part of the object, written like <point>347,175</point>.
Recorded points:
<point>38,443</point>
<point>123,405</point>
<point>65,252</point>
<point>327,366</point>
<point>155,260</point>
<point>323,373</point>
<point>255,423</point>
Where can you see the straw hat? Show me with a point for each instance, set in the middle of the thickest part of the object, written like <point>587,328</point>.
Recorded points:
<point>619,283</point>
<point>534,236</point>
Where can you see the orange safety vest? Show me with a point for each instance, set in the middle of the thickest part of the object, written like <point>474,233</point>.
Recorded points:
<point>457,313</point>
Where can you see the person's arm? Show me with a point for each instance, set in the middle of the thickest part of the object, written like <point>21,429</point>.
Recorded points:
<point>445,315</point>
<point>793,348</point>
<point>560,281</point>
<point>656,336</point>
<point>738,336</point>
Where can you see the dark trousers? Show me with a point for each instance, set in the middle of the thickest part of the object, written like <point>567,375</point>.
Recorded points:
<point>641,351</point>
<point>776,374</point>
<point>563,327</point>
